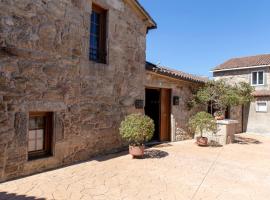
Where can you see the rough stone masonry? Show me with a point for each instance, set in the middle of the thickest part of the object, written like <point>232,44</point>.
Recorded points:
<point>44,66</point>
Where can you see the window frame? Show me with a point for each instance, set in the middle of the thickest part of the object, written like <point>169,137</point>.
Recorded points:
<point>257,107</point>
<point>102,43</point>
<point>48,136</point>
<point>257,84</point>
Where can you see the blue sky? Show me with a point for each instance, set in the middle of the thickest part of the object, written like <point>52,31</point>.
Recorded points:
<point>196,35</point>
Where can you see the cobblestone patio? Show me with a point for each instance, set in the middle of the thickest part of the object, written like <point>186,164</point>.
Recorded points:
<point>172,171</point>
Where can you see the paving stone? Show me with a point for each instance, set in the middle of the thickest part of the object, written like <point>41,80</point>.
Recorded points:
<point>188,172</point>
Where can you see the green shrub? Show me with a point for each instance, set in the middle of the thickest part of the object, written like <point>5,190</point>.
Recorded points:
<point>137,129</point>
<point>203,121</point>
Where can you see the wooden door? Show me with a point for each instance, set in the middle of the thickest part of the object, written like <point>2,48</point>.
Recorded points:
<point>165,115</point>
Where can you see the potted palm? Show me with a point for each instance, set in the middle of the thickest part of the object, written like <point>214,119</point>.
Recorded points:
<point>137,129</point>
<point>203,122</point>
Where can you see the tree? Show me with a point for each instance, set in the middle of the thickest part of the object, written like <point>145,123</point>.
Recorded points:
<point>221,95</point>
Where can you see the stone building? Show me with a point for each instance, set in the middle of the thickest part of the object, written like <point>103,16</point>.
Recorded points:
<point>256,71</point>
<point>167,95</point>
<point>70,70</point>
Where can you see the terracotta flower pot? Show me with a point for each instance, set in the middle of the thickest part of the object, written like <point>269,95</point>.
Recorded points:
<point>221,117</point>
<point>136,151</point>
<point>202,141</point>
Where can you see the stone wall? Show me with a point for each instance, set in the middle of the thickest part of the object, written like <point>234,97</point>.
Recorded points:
<point>44,66</point>
<point>180,114</point>
<point>243,75</point>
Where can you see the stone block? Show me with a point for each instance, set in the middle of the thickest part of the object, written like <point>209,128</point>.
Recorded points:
<point>21,128</point>
<point>59,127</point>
<point>6,134</point>
<point>11,169</point>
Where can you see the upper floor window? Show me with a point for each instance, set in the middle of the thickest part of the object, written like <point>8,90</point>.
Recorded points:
<point>98,32</point>
<point>257,78</point>
<point>40,134</point>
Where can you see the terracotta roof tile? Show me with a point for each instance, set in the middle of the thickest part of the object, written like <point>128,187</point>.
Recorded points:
<point>261,93</point>
<point>250,61</point>
<point>175,73</point>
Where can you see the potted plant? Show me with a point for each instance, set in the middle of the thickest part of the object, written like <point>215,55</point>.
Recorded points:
<point>219,115</point>
<point>137,129</point>
<point>201,122</point>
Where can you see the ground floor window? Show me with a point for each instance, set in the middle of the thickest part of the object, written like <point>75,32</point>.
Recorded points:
<point>261,106</point>
<point>40,134</point>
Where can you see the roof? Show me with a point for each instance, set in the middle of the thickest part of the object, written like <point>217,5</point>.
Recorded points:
<point>261,93</point>
<point>174,73</point>
<point>137,7</point>
<point>244,62</point>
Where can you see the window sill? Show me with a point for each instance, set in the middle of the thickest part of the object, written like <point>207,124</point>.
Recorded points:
<point>39,157</point>
<point>39,165</point>
<point>258,85</point>
<point>98,63</point>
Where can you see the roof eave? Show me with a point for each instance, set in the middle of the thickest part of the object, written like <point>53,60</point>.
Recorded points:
<point>258,94</point>
<point>160,71</point>
<point>176,78</point>
<point>239,68</point>
<point>151,24</point>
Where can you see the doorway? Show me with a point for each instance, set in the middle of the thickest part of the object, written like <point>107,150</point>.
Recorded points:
<point>158,107</point>
<point>152,109</point>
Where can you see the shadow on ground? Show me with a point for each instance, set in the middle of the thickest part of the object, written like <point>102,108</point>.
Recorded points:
<point>214,144</point>
<point>245,140</point>
<point>158,144</point>
<point>109,156</point>
<point>154,154</point>
<point>148,154</point>
<point>10,196</point>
